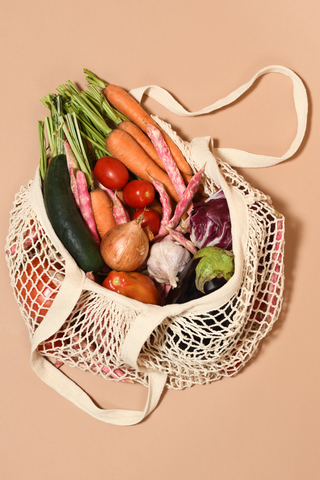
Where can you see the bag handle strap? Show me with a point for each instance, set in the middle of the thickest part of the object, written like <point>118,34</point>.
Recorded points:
<point>62,384</point>
<point>240,158</point>
<point>71,288</point>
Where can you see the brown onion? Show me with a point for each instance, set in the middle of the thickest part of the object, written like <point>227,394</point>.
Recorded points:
<point>126,246</point>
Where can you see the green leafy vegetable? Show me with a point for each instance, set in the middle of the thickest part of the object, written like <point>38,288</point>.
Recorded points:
<point>215,262</point>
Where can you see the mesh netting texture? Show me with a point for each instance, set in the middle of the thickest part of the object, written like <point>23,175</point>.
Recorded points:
<point>195,348</point>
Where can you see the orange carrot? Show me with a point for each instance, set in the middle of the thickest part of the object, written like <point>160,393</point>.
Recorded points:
<point>125,148</point>
<point>143,141</point>
<point>186,177</point>
<point>101,206</point>
<point>129,107</point>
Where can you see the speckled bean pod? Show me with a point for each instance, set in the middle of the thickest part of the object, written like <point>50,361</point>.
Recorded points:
<point>91,276</point>
<point>85,205</point>
<point>186,199</point>
<point>73,166</point>
<point>164,153</point>
<point>184,226</point>
<point>120,214</point>
<point>166,208</point>
<point>74,186</point>
<point>164,200</point>
<point>178,237</point>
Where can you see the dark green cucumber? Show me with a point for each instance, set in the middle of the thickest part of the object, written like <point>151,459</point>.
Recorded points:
<point>66,219</point>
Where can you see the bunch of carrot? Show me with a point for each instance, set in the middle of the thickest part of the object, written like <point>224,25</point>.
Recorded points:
<point>105,120</point>
<point>137,124</point>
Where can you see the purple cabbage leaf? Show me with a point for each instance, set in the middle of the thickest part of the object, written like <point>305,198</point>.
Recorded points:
<point>210,224</point>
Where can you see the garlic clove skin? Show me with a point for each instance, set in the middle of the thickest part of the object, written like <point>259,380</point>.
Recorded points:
<point>167,259</point>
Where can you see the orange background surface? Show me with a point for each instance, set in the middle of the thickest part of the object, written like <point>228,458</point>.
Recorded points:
<point>263,423</point>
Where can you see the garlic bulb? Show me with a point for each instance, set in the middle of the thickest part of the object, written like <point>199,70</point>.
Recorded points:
<point>166,260</point>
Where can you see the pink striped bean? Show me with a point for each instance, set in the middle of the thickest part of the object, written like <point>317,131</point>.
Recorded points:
<point>178,237</point>
<point>166,209</point>
<point>85,205</point>
<point>91,276</point>
<point>74,186</point>
<point>73,166</point>
<point>164,200</point>
<point>120,214</point>
<point>186,199</point>
<point>184,226</point>
<point>164,153</point>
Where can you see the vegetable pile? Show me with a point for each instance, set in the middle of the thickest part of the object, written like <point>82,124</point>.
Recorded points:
<point>124,201</point>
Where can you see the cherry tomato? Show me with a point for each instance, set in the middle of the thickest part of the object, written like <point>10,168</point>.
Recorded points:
<point>138,193</point>
<point>111,173</point>
<point>37,288</point>
<point>133,285</point>
<point>150,219</point>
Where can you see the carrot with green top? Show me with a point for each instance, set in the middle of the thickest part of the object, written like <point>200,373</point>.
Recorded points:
<point>119,144</point>
<point>128,106</point>
<point>124,102</point>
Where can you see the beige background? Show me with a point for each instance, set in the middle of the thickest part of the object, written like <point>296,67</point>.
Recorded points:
<point>262,424</point>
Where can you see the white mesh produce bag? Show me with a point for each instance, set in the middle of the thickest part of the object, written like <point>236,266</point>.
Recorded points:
<point>84,325</point>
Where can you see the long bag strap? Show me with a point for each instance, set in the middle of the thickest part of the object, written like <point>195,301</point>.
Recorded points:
<point>240,158</point>
<point>71,288</point>
<point>145,323</point>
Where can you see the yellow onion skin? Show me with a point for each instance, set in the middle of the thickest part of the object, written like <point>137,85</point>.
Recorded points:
<point>125,247</point>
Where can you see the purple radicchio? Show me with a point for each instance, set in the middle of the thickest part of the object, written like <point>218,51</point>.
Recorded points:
<point>210,224</point>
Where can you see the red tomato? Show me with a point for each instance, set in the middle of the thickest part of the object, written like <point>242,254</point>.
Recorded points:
<point>138,193</point>
<point>133,285</point>
<point>150,219</point>
<point>36,288</point>
<point>111,173</point>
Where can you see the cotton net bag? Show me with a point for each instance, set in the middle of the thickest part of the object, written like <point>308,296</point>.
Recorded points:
<point>84,325</point>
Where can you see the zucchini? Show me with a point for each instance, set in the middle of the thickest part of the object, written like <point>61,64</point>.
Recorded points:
<point>66,218</point>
